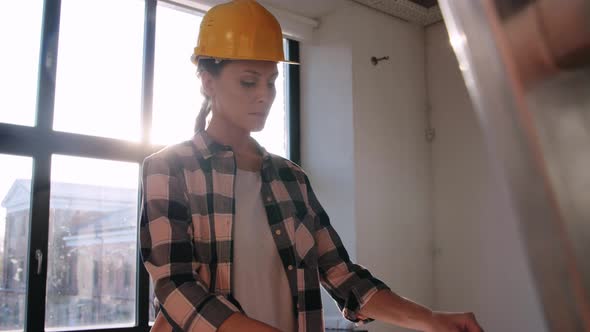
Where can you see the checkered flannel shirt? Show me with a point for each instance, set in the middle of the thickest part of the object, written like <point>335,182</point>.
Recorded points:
<point>188,209</point>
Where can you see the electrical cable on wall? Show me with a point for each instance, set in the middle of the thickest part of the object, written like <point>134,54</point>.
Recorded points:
<point>429,132</point>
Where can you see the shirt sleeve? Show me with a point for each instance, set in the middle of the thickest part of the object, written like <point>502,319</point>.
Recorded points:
<point>167,252</point>
<point>349,284</point>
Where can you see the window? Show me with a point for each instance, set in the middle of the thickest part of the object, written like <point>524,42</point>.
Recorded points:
<point>98,84</point>
<point>175,106</point>
<point>276,124</point>
<point>19,60</point>
<point>116,86</point>
<point>92,236</point>
<point>15,199</point>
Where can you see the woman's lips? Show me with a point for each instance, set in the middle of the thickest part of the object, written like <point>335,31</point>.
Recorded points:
<point>258,114</point>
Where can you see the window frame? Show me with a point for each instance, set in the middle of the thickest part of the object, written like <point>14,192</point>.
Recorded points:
<point>40,142</point>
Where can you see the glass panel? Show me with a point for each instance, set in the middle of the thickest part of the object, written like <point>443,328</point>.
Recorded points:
<point>152,307</point>
<point>15,198</point>
<point>99,70</point>
<point>177,97</point>
<point>91,273</point>
<point>20,34</point>
<point>274,135</point>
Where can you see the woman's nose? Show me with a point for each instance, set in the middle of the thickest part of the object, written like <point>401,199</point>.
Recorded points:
<point>265,94</point>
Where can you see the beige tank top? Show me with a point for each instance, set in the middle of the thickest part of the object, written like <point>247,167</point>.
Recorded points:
<point>260,281</point>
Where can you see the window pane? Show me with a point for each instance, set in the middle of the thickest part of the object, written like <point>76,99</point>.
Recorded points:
<point>274,135</point>
<point>20,37</point>
<point>15,198</point>
<point>152,317</point>
<point>177,96</point>
<point>92,244</point>
<point>99,69</point>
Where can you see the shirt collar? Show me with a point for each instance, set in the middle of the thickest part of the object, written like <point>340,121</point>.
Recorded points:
<point>208,147</point>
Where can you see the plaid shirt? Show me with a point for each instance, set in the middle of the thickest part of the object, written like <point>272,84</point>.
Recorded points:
<point>187,240</point>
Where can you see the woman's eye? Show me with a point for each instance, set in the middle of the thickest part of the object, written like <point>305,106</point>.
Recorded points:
<point>248,84</point>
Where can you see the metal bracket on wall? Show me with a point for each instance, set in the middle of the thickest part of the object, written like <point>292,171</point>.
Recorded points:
<point>430,134</point>
<point>375,60</point>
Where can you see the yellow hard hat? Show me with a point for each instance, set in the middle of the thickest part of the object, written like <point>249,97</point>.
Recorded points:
<point>240,30</point>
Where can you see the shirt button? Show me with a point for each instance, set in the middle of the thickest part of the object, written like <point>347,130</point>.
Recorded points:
<point>278,232</point>
<point>290,267</point>
<point>269,199</point>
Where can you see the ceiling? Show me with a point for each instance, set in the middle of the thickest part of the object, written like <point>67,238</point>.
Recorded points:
<point>308,8</point>
<point>425,3</point>
<point>423,12</point>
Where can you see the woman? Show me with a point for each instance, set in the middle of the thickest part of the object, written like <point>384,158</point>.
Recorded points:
<point>234,237</point>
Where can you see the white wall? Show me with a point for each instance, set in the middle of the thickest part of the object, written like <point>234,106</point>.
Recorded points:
<point>363,145</point>
<point>327,139</point>
<point>480,263</point>
<point>392,166</point>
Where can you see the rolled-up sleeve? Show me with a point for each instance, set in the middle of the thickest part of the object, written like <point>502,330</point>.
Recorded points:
<point>167,252</point>
<point>349,284</point>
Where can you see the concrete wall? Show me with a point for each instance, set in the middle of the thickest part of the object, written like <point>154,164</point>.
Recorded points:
<point>392,162</point>
<point>327,138</point>
<point>363,145</point>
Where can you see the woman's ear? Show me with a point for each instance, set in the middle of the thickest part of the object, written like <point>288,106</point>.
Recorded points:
<point>208,84</point>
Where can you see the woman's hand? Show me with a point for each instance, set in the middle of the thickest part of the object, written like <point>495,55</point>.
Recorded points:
<point>454,322</point>
<point>389,307</point>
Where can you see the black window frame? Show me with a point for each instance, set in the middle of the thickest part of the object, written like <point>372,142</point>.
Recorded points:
<point>40,142</point>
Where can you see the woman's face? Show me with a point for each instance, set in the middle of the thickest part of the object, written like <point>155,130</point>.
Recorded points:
<point>243,93</point>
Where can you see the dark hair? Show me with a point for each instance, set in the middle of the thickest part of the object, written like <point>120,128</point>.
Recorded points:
<point>213,67</point>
